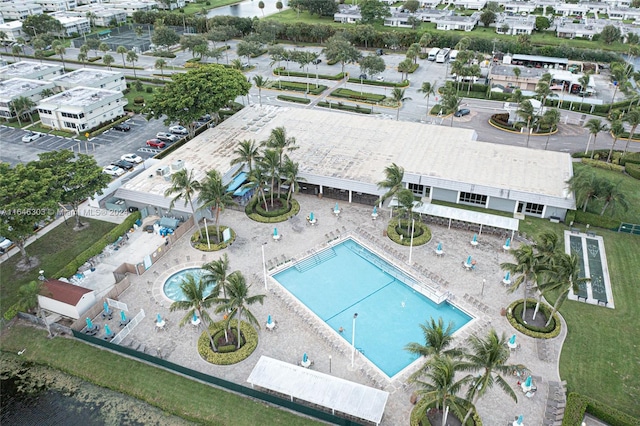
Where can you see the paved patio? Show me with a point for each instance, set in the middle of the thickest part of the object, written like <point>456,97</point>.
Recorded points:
<point>300,331</point>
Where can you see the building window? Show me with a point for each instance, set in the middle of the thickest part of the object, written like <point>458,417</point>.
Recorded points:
<point>420,190</point>
<point>531,208</point>
<point>471,198</point>
<point>69,124</point>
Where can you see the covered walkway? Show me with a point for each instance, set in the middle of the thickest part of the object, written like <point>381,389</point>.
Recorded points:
<point>339,395</point>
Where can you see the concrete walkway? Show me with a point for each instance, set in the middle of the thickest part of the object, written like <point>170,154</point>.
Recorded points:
<point>300,331</point>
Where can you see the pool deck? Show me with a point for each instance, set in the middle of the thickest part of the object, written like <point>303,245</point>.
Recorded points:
<point>298,330</point>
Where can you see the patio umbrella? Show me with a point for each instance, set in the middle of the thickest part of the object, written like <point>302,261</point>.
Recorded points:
<point>520,419</point>
<point>508,242</point>
<point>89,324</point>
<point>507,277</point>
<point>468,260</point>
<point>375,210</point>
<point>475,238</point>
<point>305,358</point>
<point>106,307</point>
<point>528,382</point>
<point>269,320</point>
<point>123,316</point>
<point>512,342</point>
<point>439,248</point>
<point>275,232</point>
<point>311,218</point>
<point>159,318</point>
<point>107,330</point>
<point>195,317</point>
<point>336,208</point>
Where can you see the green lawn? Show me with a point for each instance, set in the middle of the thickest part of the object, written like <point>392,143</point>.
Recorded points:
<point>55,249</point>
<point>170,392</point>
<point>194,8</point>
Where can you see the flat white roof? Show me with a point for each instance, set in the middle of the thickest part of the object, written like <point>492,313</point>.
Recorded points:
<point>24,68</point>
<point>15,87</point>
<point>341,395</point>
<point>84,75</point>
<point>355,149</point>
<point>79,96</point>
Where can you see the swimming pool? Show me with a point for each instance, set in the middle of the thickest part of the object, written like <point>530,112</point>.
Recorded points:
<point>172,288</point>
<point>346,279</point>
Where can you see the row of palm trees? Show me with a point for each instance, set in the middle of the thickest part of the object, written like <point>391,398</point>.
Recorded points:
<point>234,303</point>
<point>546,268</point>
<point>616,128</point>
<point>439,382</point>
<point>589,186</point>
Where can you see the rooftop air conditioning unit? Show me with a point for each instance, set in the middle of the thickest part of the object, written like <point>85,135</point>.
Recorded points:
<point>177,165</point>
<point>159,171</point>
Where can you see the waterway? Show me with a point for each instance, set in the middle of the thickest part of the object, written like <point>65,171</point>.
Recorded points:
<point>248,9</point>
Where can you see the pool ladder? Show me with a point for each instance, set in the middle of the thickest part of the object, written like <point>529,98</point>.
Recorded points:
<point>314,260</point>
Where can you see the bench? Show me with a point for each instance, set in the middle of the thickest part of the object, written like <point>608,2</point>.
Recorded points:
<point>591,234</point>
<point>583,297</point>
<point>575,231</point>
<point>604,302</point>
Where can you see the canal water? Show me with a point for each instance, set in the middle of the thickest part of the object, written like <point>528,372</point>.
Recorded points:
<point>248,9</point>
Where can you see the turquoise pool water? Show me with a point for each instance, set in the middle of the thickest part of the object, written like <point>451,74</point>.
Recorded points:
<point>347,279</point>
<point>172,288</point>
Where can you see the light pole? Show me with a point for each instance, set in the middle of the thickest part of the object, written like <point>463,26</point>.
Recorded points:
<point>353,340</point>
<point>483,283</point>
<point>264,266</point>
<point>329,364</point>
<point>413,227</point>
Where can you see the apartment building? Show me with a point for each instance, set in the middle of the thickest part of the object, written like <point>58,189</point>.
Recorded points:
<point>19,11</point>
<point>98,79</point>
<point>30,70</point>
<point>18,87</point>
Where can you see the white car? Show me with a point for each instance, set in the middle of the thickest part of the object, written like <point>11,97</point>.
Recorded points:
<point>166,137</point>
<point>32,136</point>
<point>132,158</point>
<point>113,170</point>
<point>5,244</point>
<point>178,130</point>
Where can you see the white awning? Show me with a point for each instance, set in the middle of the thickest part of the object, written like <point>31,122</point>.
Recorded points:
<point>484,219</point>
<point>312,386</point>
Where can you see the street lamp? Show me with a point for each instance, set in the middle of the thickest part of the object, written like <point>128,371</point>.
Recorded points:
<point>264,266</point>
<point>353,340</point>
<point>329,364</point>
<point>483,283</point>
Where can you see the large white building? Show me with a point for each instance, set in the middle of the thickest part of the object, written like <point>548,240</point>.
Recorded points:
<point>81,108</point>
<point>343,156</point>
<point>56,5</point>
<point>30,70</point>
<point>19,11</point>
<point>14,31</point>
<point>104,14</point>
<point>98,79</point>
<point>73,25</point>
<point>18,87</point>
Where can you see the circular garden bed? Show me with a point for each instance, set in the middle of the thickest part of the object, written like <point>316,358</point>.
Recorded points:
<point>215,241</point>
<point>399,231</point>
<point>227,349</point>
<point>533,327</point>
<point>280,211</point>
<point>501,121</point>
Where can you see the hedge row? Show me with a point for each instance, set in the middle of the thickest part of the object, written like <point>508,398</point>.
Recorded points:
<point>630,158</point>
<point>204,246</point>
<point>578,404</point>
<point>633,170</point>
<point>593,219</point>
<point>220,358</point>
<point>282,71</point>
<point>294,99</point>
<point>297,87</point>
<point>97,247</point>
<point>403,83</point>
<point>342,107</point>
<point>540,333</point>
<point>603,164</point>
<point>108,126</point>
<point>256,212</point>
<point>357,96</point>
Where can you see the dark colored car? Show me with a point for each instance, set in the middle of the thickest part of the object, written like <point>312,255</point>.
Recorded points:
<point>379,52</point>
<point>122,127</point>
<point>123,164</point>
<point>316,61</point>
<point>205,118</point>
<point>156,143</point>
<point>462,112</point>
<point>362,77</point>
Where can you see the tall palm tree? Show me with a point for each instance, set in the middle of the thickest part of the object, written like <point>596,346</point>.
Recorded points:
<point>398,97</point>
<point>28,299</point>
<point>258,180</point>
<point>406,201</point>
<point>133,57</point>
<point>260,82</point>
<point>185,186</point>
<point>452,103</point>
<point>488,356</point>
<point>612,195</point>
<point>617,129</point>
<point>214,195</point>
<point>428,89</point>
<point>238,301</point>
<point>543,91</point>
<point>279,141</point>
<point>108,60</point>
<point>633,118</point>
<point>438,340</point>
<point>584,83</point>
<point>585,184</point>
<point>516,96</point>
<point>161,63</point>
<point>290,170</point>
<point>59,49</point>
<point>23,105</point>
<point>440,387</point>
<point>565,276</point>
<point>392,182</point>
<point>516,72</point>
<point>527,112</point>
<point>526,268</point>
<point>246,152</point>
<point>121,50</point>
<point>551,118</point>
<point>270,164</point>
<point>546,247</point>
<point>194,289</point>
<point>594,126</point>
<point>216,271</point>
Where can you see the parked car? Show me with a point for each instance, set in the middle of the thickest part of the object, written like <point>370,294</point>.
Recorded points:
<point>156,143</point>
<point>178,130</point>
<point>462,112</point>
<point>122,127</point>
<point>113,170</point>
<point>166,137</point>
<point>363,77</point>
<point>132,158</point>
<point>380,78</point>
<point>123,164</point>
<point>32,136</point>
<point>379,52</point>
<point>5,244</point>
<point>316,61</point>
<point>205,118</point>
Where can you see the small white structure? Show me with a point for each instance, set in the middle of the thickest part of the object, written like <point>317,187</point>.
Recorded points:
<point>85,77</point>
<point>81,108</point>
<point>19,11</point>
<point>30,70</point>
<point>20,87</point>
<point>66,299</point>
<point>56,5</point>
<point>13,31</point>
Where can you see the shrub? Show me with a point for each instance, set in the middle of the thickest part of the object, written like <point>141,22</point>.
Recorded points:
<point>394,231</point>
<point>219,358</point>
<point>578,404</point>
<point>138,100</point>
<point>341,106</point>
<point>633,170</point>
<point>294,99</point>
<point>201,243</point>
<point>357,96</point>
<point>603,165</point>
<point>94,59</point>
<point>514,316</point>
<point>149,89</point>
<point>253,211</point>
<point>163,54</point>
<point>630,158</point>
<point>593,219</point>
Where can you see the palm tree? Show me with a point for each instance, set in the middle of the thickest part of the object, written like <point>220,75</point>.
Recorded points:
<point>16,50</point>
<point>194,289</point>
<point>546,246</point>
<point>246,152</point>
<point>270,165</point>
<point>564,277</point>
<point>214,195</point>
<point>584,83</point>
<point>527,112</point>
<point>279,141</point>
<point>103,47</point>
<point>516,96</point>
<point>217,271</point>
<point>437,342</point>
<point>260,82</point>
<point>59,49</point>
<point>23,105</point>
<point>488,356</point>
<point>452,103</point>
<point>544,91</point>
<point>28,299</point>
<point>185,186</point>
<point>612,195</point>
<point>440,388</point>
<point>258,179</point>
<point>527,267</point>
<point>238,301</point>
<point>121,50</point>
<point>594,126</point>
<point>290,170</point>
<point>551,117</point>
<point>633,118</point>
<point>428,89</point>
<point>517,71</point>
<point>132,57</point>
<point>82,57</point>
<point>161,63</point>
<point>617,129</point>
<point>585,184</point>
<point>405,203</point>
<point>392,182</point>
<point>108,60</point>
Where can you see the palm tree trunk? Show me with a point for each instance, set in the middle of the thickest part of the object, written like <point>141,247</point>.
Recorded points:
<point>195,219</point>
<point>524,307</point>
<point>239,318</point>
<point>611,150</point>
<point>593,151</point>
<point>535,311</point>
<point>218,223</point>
<point>604,208</point>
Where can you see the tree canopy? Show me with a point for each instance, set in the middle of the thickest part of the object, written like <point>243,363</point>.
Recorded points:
<point>38,24</point>
<point>373,10</point>
<point>339,49</point>
<point>200,91</point>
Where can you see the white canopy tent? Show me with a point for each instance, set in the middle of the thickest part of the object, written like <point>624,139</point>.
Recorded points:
<point>318,388</point>
<point>452,213</point>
